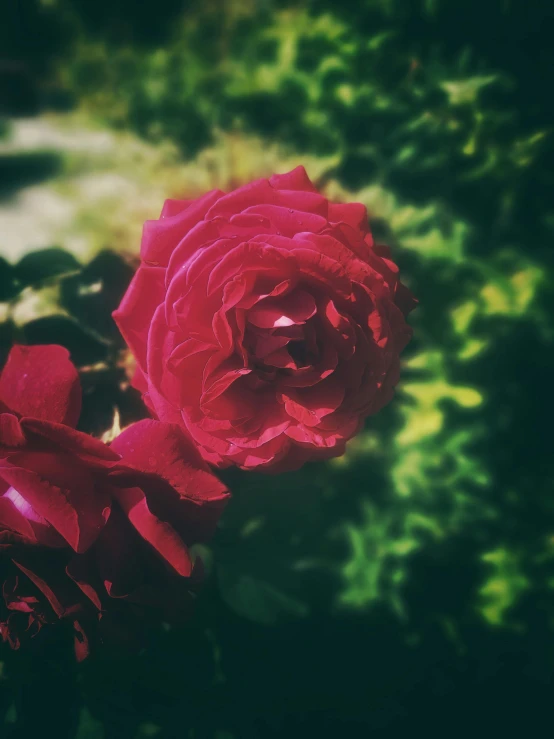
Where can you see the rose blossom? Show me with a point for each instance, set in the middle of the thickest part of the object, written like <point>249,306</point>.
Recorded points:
<point>92,535</point>
<point>265,321</point>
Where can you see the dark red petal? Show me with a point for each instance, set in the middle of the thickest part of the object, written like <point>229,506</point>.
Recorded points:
<point>282,359</point>
<point>133,317</point>
<point>12,520</point>
<point>310,405</point>
<point>81,642</point>
<point>163,449</point>
<point>161,343</point>
<point>287,221</point>
<point>356,269</point>
<point>139,381</point>
<point>41,381</point>
<point>129,572</point>
<point>324,269</point>
<point>247,257</point>
<point>191,315</point>
<point>160,407</point>
<point>296,179</point>
<point>297,307</point>
<point>62,493</point>
<point>185,351</point>
<point>219,381</point>
<point>11,434</point>
<point>80,570</point>
<point>159,238</point>
<point>174,207</point>
<point>404,299</point>
<point>159,534</point>
<point>352,214</point>
<point>223,330</point>
<point>238,200</point>
<point>270,424</point>
<point>188,360</point>
<point>17,515</point>
<point>267,343</point>
<point>338,328</point>
<point>314,437</point>
<point>194,247</point>
<point>46,589</point>
<point>88,449</point>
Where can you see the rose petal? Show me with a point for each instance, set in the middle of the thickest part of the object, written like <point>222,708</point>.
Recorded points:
<point>251,256</point>
<point>161,343</point>
<point>266,344</point>
<point>89,450</point>
<point>163,449</point>
<point>159,534</point>
<point>259,191</point>
<point>11,434</point>
<point>160,237</point>
<point>60,492</point>
<point>351,214</point>
<point>174,207</point>
<point>133,317</point>
<point>287,221</point>
<point>13,520</point>
<point>81,571</point>
<point>297,307</point>
<point>296,179</point>
<point>46,583</point>
<point>310,405</point>
<point>41,381</point>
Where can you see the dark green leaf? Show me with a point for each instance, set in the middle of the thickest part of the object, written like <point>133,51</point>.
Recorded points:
<point>41,265</point>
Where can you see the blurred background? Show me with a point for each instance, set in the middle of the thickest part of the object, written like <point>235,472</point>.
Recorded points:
<point>409,585</point>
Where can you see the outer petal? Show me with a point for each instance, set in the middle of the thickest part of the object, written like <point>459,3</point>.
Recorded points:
<point>144,294</point>
<point>351,214</point>
<point>12,520</point>
<point>18,516</point>
<point>174,207</point>
<point>296,179</point>
<point>89,450</point>
<point>159,238</point>
<point>287,221</point>
<point>309,405</point>
<point>129,572</point>
<point>80,569</point>
<point>11,435</point>
<point>160,407</point>
<point>48,575</point>
<point>163,449</point>
<point>159,534</point>
<point>41,381</point>
<point>60,490</point>
<point>258,191</point>
<point>44,587</point>
<point>190,497</point>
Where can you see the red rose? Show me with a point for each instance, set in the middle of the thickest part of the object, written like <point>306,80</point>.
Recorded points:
<point>266,322</point>
<point>90,534</point>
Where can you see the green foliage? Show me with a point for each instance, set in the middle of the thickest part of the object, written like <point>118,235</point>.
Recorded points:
<point>504,587</point>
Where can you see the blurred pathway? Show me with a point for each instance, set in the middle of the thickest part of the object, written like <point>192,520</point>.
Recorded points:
<point>64,182</point>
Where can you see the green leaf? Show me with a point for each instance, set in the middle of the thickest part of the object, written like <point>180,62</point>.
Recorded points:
<point>42,265</point>
<point>257,600</point>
